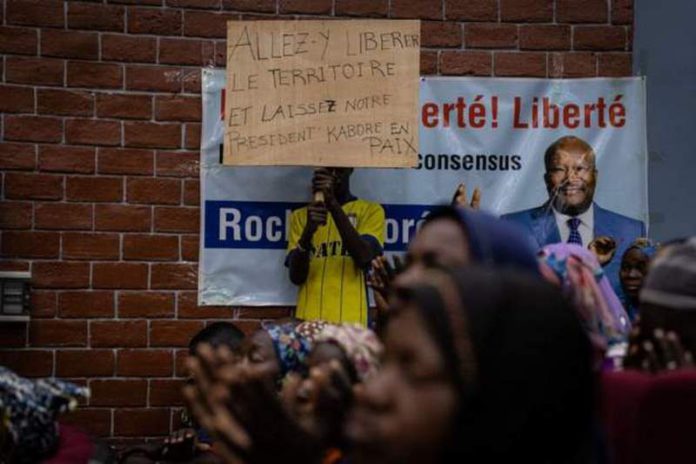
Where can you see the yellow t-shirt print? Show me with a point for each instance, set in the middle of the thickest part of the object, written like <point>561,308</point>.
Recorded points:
<point>335,289</point>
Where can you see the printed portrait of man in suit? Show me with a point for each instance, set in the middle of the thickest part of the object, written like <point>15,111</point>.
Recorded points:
<point>570,214</point>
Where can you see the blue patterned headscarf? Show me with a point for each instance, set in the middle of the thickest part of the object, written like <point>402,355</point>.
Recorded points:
<point>291,347</point>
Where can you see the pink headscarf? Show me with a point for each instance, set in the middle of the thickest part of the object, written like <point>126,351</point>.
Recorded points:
<point>577,270</point>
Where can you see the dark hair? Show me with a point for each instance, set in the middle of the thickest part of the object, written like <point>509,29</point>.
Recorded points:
<point>218,334</point>
<point>532,393</point>
<point>551,150</point>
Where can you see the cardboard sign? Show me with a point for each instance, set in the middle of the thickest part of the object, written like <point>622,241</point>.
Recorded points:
<point>322,93</point>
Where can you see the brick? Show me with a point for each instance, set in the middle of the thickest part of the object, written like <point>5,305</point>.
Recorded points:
<point>33,128</point>
<point>173,219</point>
<point>47,13</point>
<point>581,11</point>
<point>85,363</point>
<point>599,38</point>
<point>39,71</point>
<point>28,363</point>
<point>122,218</point>
<point>65,102</point>
<point>520,64</point>
<point>419,9</point>
<point>18,41</point>
<point>306,6</point>
<point>33,186</point>
<point>622,11</point>
<point>192,193</point>
<point>119,275</point>
<point>70,44</point>
<point>441,34</point>
<point>92,132</point>
<point>261,6</point>
<point>17,156</point>
<point>119,334</point>
<point>173,333</point>
<point>118,393</point>
<point>63,216</point>
<point>50,332</point>
<point>583,64</point>
<point>139,2</point>
<point>178,108</point>
<point>166,392</point>
<point>62,158</point>
<point>145,304</point>
<point>220,57</point>
<point>192,78</point>
<point>203,4</point>
<point>180,363</point>
<point>428,62</point>
<point>207,24</point>
<point>30,244</point>
<point>186,52</point>
<point>126,161</point>
<point>154,21</point>
<point>43,304</point>
<point>151,247</point>
<point>62,274</point>
<point>525,11</point>
<point>141,422</point>
<point>363,8</point>
<point>174,276</point>
<point>544,37</point>
<point>264,312</point>
<point>95,421</point>
<point>94,189</point>
<point>189,248</point>
<point>90,246</point>
<point>152,135</point>
<point>13,335</point>
<point>96,16</point>
<point>129,49</point>
<point>86,304</point>
<point>615,65</point>
<point>145,363</point>
<point>124,106</point>
<point>15,215</point>
<point>153,78</point>
<point>472,10</point>
<point>465,63</point>
<point>95,75</point>
<point>15,99</point>
<point>192,136</point>
<point>178,164</point>
<point>154,191</point>
<point>490,35</point>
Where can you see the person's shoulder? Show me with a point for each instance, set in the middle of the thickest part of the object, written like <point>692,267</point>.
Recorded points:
<point>366,205</point>
<point>525,214</point>
<point>603,214</point>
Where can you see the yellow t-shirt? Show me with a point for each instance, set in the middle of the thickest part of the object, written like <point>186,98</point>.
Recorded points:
<point>335,289</point>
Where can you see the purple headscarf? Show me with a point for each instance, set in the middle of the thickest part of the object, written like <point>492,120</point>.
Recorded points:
<point>583,280</point>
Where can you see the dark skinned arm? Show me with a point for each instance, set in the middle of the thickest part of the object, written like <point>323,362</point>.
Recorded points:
<point>359,249</point>
<point>298,261</point>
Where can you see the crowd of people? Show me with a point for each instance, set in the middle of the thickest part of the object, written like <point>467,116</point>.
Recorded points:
<point>489,341</point>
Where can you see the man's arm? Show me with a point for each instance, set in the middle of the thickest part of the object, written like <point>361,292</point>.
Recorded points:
<point>362,251</point>
<point>298,259</point>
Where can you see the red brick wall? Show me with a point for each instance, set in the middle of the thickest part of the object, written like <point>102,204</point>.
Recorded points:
<point>99,158</point>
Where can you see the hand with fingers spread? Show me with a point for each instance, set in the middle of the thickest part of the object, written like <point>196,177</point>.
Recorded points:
<point>460,199</point>
<point>658,352</point>
<point>379,279</point>
<point>182,445</point>
<point>235,403</point>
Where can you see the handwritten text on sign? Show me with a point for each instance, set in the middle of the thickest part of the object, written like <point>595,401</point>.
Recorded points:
<point>322,93</point>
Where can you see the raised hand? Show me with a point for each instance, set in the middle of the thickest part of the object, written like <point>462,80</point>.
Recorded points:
<point>460,199</point>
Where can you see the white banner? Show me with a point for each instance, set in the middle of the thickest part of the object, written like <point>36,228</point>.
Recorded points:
<point>486,132</point>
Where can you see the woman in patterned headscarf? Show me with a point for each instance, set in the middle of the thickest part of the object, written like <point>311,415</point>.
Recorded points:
<point>634,268</point>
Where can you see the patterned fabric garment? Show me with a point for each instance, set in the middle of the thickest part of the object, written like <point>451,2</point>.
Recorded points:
<point>29,411</point>
<point>361,346</point>
<point>583,280</point>
<point>311,329</point>
<point>292,349</point>
<point>574,237</point>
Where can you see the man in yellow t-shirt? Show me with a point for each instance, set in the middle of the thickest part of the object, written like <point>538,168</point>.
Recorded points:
<point>330,248</point>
